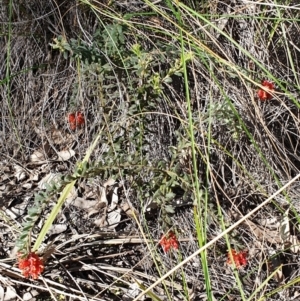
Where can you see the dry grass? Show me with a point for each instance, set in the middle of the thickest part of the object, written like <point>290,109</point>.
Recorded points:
<point>245,149</point>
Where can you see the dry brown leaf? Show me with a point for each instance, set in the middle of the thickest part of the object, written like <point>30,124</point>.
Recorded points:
<point>288,240</point>
<point>294,241</point>
<point>285,227</point>
<point>10,294</point>
<point>28,296</point>
<point>278,276</point>
<point>92,207</point>
<point>101,195</point>
<point>65,155</point>
<point>41,154</point>
<point>83,204</point>
<point>34,176</point>
<point>27,185</point>
<point>20,173</point>
<point>38,156</point>
<point>114,199</point>
<point>113,218</point>
<point>57,229</point>
<point>263,234</point>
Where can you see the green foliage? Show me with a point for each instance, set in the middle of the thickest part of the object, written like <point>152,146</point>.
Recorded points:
<point>119,165</point>
<point>223,113</point>
<point>111,41</point>
<point>108,61</point>
<point>104,65</point>
<point>41,199</point>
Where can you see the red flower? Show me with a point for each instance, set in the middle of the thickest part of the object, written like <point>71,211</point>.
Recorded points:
<point>168,241</point>
<point>76,120</point>
<point>265,94</point>
<point>31,265</point>
<point>239,258</point>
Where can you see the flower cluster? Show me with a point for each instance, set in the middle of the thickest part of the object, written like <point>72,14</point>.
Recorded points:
<point>169,240</point>
<point>31,265</point>
<point>266,93</point>
<point>76,120</point>
<point>239,258</point>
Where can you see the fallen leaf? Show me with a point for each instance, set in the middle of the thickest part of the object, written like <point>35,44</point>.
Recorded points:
<point>113,218</point>
<point>42,153</point>
<point>288,240</point>
<point>20,173</point>
<point>101,195</point>
<point>10,294</point>
<point>57,229</point>
<point>65,155</point>
<point>27,185</point>
<point>285,227</point>
<point>37,156</point>
<point>114,199</point>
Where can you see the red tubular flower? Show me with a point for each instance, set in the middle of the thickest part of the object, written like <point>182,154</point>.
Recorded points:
<point>80,119</point>
<point>72,121</point>
<point>264,94</point>
<point>239,258</point>
<point>76,120</point>
<point>31,265</point>
<point>168,241</point>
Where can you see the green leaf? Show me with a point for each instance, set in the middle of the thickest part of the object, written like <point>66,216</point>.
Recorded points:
<point>48,187</point>
<point>33,211</point>
<point>20,244</point>
<point>169,209</point>
<point>167,80</point>
<point>28,219</point>
<point>23,237</point>
<point>27,228</point>
<point>167,220</point>
<point>170,195</point>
